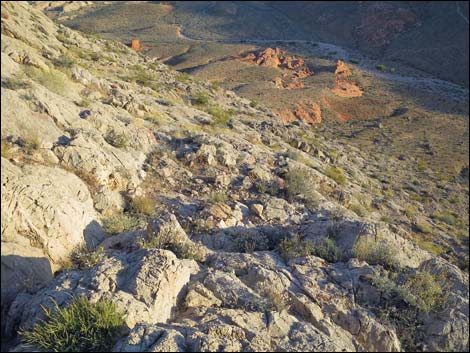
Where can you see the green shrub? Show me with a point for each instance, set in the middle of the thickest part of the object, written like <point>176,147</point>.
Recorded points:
<point>16,82</point>
<point>253,104</point>
<point>298,182</point>
<point>446,217</point>
<point>31,142</point>
<point>336,174</point>
<point>424,291</point>
<point>221,117</point>
<point>375,252</point>
<point>381,67</point>
<point>155,118</point>
<point>267,187</point>
<point>64,61</point>
<point>119,223</point>
<point>182,77</point>
<point>201,99</point>
<point>359,209</point>
<point>143,204</point>
<point>291,248</point>
<point>216,196</point>
<point>53,80</point>
<point>116,139</point>
<point>423,226</point>
<point>6,149</point>
<point>250,241</point>
<point>328,250</point>
<point>80,327</point>
<point>86,258</point>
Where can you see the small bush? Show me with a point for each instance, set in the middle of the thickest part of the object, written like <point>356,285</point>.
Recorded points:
<point>182,77</point>
<point>248,242</point>
<point>268,187</point>
<point>221,117</point>
<point>446,217</point>
<point>253,104</point>
<point>6,149</point>
<point>143,204</point>
<point>64,61</point>
<point>336,174</point>
<point>86,258</point>
<point>375,252</point>
<point>15,83</point>
<point>84,103</point>
<point>119,223</point>
<point>53,80</point>
<point>423,226</point>
<point>80,327</point>
<point>116,139</point>
<point>381,67</point>
<point>424,291</point>
<point>291,248</point>
<point>155,118</point>
<point>30,142</point>
<point>201,99</point>
<point>359,209</point>
<point>298,183</point>
<point>328,250</point>
<point>216,196</point>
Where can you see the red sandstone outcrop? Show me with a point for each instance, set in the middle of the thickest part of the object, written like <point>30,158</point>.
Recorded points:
<point>309,113</point>
<point>135,44</point>
<point>274,57</point>
<point>346,89</point>
<point>342,70</point>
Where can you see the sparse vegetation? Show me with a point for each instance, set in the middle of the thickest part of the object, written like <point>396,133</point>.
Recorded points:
<point>336,174</point>
<point>217,196</point>
<point>298,183</point>
<point>182,77</point>
<point>85,258</point>
<point>328,250</point>
<point>221,117</point>
<point>116,139</point>
<point>6,149</point>
<point>201,98</point>
<point>64,61</point>
<point>375,252</point>
<point>53,80</point>
<point>16,82</point>
<point>293,247</point>
<point>143,204</point>
<point>82,326</point>
<point>119,223</point>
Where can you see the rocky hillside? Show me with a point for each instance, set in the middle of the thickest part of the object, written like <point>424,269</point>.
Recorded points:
<point>207,223</point>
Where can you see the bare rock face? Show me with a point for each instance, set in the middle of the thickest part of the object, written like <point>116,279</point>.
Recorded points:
<point>46,213</point>
<point>309,113</point>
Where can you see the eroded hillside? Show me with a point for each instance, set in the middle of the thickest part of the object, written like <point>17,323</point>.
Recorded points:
<point>207,221</point>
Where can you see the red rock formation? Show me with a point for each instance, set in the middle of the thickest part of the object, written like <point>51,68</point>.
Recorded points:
<point>135,44</point>
<point>309,113</point>
<point>342,70</point>
<point>303,73</point>
<point>274,57</point>
<point>346,89</point>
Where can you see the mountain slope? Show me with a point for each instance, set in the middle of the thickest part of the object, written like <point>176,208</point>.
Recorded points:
<point>211,224</point>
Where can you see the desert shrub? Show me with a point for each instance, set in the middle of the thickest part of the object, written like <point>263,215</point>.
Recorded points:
<point>201,99</point>
<point>53,80</point>
<point>182,77</point>
<point>375,252</point>
<point>253,104</point>
<point>116,139</point>
<point>381,67</point>
<point>155,118</point>
<point>293,247</point>
<point>84,103</point>
<point>85,258</point>
<point>221,117</point>
<point>250,241</point>
<point>119,223</point>
<point>359,209</point>
<point>30,142</point>
<point>410,211</point>
<point>423,226</point>
<point>446,217</point>
<point>424,291</point>
<point>267,187</point>
<point>143,204</point>
<point>328,250</point>
<point>16,82</point>
<point>64,61</point>
<point>336,174</point>
<point>6,149</point>
<point>298,183</point>
<point>333,229</point>
<point>217,196</point>
<point>80,327</point>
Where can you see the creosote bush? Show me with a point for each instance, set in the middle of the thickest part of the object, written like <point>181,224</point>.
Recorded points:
<point>119,223</point>
<point>375,252</point>
<point>116,139</point>
<point>293,247</point>
<point>143,204</point>
<point>82,326</point>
